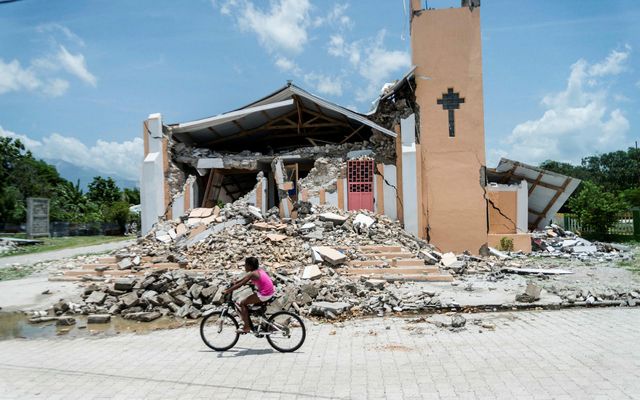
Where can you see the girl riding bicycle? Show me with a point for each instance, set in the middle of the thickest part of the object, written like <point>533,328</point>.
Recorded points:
<point>263,284</point>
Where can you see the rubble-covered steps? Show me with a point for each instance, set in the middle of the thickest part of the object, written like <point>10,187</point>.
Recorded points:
<point>393,263</point>
<point>114,267</point>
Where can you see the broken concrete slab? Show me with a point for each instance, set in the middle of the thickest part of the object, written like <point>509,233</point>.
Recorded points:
<point>326,308</point>
<point>129,300</point>
<point>124,284</point>
<point>363,220</point>
<point>96,297</point>
<point>125,263</point>
<point>274,237</point>
<point>255,212</point>
<point>448,259</point>
<point>330,255</point>
<point>98,318</point>
<point>181,230</point>
<point>333,217</point>
<point>311,272</point>
<point>200,212</point>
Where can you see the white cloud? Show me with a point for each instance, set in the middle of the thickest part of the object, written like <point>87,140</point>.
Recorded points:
<point>372,60</point>
<point>287,65</point>
<point>330,85</point>
<point>118,159</point>
<point>55,87</point>
<point>282,27</point>
<point>335,17</point>
<point>578,121</point>
<point>40,75</point>
<point>13,77</point>
<point>66,32</point>
<point>75,65</point>
<point>612,65</point>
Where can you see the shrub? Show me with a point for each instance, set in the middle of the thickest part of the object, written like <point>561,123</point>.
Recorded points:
<point>506,244</point>
<point>595,209</point>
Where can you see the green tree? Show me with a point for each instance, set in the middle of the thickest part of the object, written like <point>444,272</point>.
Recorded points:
<point>22,176</point>
<point>70,204</point>
<point>132,196</point>
<point>103,191</point>
<point>117,212</point>
<point>596,209</point>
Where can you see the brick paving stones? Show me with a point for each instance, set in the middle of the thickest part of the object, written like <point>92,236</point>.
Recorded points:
<point>569,354</point>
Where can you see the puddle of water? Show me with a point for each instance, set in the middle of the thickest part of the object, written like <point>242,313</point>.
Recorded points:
<point>16,325</point>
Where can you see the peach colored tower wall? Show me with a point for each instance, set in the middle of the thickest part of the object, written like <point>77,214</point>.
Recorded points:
<point>447,53</point>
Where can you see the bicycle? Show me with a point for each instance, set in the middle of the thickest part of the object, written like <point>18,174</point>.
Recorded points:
<point>284,330</point>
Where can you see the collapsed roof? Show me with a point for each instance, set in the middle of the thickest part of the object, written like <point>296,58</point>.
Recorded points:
<point>290,113</point>
<point>548,191</point>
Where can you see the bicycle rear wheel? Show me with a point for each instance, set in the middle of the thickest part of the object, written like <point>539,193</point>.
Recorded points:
<point>219,332</point>
<point>286,331</point>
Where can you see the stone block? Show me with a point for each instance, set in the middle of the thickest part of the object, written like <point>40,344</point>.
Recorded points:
<point>96,297</point>
<point>129,299</point>
<point>124,284</point>
<point>98,318</point>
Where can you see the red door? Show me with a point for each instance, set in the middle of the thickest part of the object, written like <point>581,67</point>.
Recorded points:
<point>360,183</point>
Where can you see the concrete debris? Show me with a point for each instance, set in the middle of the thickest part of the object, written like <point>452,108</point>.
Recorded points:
<point>330,255</point>
<point>557,242</point>
<point>311,272</point>
<point>531,294</point>
<point>336,219</point>
<point>98,318</point>
<point>362,220</point>
<point>458,321</point>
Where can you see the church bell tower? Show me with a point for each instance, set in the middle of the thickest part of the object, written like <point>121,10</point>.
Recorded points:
<point>447,52</point>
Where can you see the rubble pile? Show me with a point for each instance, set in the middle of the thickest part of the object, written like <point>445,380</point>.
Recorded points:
<point>303,256</point>
<point>577,295</point>
<point>379,144</point>
<point>556,242</point>
<point>323,175</point>
<point>7,246</point>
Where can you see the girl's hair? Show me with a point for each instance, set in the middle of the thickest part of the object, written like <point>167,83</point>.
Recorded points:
<point>252,263</point>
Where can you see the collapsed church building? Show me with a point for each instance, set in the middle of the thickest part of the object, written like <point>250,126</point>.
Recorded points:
<point>417,157</point>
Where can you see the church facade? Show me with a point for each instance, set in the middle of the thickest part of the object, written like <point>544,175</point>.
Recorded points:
<point>417,157</point>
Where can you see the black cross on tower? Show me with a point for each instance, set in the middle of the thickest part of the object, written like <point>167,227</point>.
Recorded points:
<point>451,101</point>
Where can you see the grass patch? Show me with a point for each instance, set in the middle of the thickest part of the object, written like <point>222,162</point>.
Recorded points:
<point>59,243</point>
<point>10,273</point>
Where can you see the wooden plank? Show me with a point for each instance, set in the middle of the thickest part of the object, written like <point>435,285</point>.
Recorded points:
<point>322,195</point>
<point>535,183</point>
<point>351,134</point>
<point>207,189</point>
<point>340,186</point>
<point>550,203</point>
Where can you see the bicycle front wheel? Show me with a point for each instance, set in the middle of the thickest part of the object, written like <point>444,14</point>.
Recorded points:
<point>285,331</point>
<point>219,332</point>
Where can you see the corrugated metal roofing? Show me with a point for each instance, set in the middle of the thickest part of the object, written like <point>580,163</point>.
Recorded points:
<point>548,191</point>
<point>262,111</point>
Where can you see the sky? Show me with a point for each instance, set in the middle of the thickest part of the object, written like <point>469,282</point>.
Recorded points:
<point>77,78</point>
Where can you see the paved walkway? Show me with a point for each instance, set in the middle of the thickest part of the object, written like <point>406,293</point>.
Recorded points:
<point>570,354</point>
<point>28,259</point>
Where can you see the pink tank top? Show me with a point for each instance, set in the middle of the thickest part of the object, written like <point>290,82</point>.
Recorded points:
<point>264,284</point>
